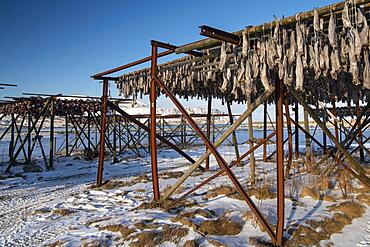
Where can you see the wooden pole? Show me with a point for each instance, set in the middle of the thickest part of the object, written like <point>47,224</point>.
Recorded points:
<point>362,156</point>
<point>11,145</point>
<point>209,120</point>
<point>51,147</point>
<point>67,135</point>
<point>115,160</point>
<point>307,138</point>
<point>233,135</point>
<point>265,131</point>
<point>252,162</point>
<point>290,137</point>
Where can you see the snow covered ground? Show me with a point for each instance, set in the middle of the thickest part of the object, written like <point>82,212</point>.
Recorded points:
<point>60,207</point>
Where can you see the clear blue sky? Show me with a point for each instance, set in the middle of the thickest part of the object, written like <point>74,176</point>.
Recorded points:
<point>51,46</point>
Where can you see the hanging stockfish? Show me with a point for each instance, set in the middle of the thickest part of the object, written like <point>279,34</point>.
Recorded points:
<point>223,57</point>
<point>345,17</point>
<point>316,21</point>
<point>353,67</point>
<point>299,73</point>
<point>248,78</point>
<point>299,76</point>
<point>292,48</point>
<point>362,28</point>
<point>245,47</point>
<point>366,72</point>
<point>255,63</point>
<point>332,31</point>
<point>264,77</point>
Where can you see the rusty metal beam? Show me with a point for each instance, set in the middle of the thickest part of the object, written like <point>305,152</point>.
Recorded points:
<point>103,123</point>
<point>219,34</point>
<point>279,93</point>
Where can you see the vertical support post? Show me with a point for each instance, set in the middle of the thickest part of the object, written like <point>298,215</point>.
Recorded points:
<point>233,135</point>
<point>29,128</point>
<point>103,121</point>
<point>51,147</point>
<point>340,129</point>
<point>213,129</point>
<point>153,115</point>
<point>308,140</point>
<point>335,126</point>
<point>12,144</point>
<point>120,134</point>
<point>358,114</point>
<point>67,135</point>
<point>296,135</point>
<point>252,163</point>
<point>279,160</point>
<point>264,131</point>
<point>324,138</point>
<point>209,120</point>
<point>115,160</point>
<point>88,131</point>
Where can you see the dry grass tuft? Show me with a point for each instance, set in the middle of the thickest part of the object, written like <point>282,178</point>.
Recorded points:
<point>96,220</point>
<point>124,230</point>
<point>94,242</point>
<point>167,175</point>
<point>58,243</point>
<point>251,217</point>
<point>63,211</point>
<point>260,242</point>
<point>350,208</point>
<point>170,233</point>
<point>316,194</point>
<point>185,218</point>
<point>214,242</point>
<point>318,230</point>
<point>191,243</point>
<point>167,205</point>
<point>261,193</point>
<point>221,226</point>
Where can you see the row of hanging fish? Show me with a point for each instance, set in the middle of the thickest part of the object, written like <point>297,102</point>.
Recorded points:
<point>330,54</point>
<point>34,105</point>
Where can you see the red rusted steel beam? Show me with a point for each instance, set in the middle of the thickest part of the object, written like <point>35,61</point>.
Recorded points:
<point>233,163</point>
<point>220,161</point>
<point>296,136</point>
<point>279,89</point>
<point>219,34</point>
<point>99,178</point>
<point>153,123</point>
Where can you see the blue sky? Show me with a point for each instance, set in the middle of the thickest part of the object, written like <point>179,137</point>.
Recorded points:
<point>54,46</point>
